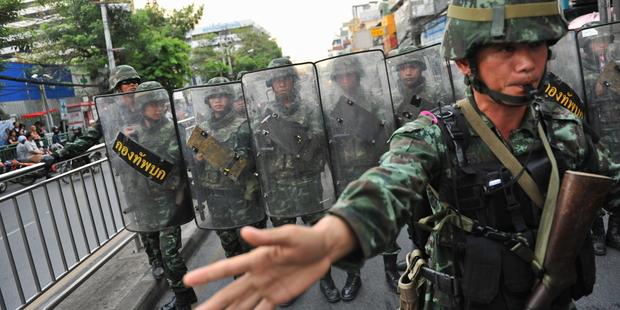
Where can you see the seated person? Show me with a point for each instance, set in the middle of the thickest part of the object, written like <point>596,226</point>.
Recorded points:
<point>27,151</point>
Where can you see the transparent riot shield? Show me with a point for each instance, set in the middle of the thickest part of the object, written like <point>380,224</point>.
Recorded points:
<point>141,140</point>
<point>220,159</point>
<point>358,112</point>
<point>459,87</point>
<point>600,64</point>
<point>419,81</point>
<point>284,110</point>
<point>564,57</point>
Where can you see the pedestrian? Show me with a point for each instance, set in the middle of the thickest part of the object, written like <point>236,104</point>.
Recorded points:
<point>502,50</point>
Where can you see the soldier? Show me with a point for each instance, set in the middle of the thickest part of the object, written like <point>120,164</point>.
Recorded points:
<point>231,201</point>
<point>154,132</point>
<point>239,103</point>
<point>603,97</point>
<point>415,92</point>
<point>354,116</point>
<point>295,186</point>
<point>502,49</point>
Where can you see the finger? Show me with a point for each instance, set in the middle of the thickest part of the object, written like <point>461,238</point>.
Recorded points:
<point>265,305</point>
<point>221,269</point>
<point>272,236</point>
<point>229,294</point>
<point>247,302</point>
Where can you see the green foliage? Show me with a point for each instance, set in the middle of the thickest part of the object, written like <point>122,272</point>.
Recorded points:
<point>8,14</point>
<point>255,51</point>
<point>150,39</point>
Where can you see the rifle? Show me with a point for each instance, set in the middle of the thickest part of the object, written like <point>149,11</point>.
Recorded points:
<point>573,217</point>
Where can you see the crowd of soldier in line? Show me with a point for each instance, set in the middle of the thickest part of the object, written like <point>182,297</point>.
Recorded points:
<point>297,149</point>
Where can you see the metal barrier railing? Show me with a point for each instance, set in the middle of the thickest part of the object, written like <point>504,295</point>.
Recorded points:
<point>50,227</point>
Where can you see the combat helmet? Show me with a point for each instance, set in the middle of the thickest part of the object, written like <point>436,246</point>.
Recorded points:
<point>219,90</point>
<point>122,73</point>
<point>144,97</point>
<point>475,23</point>
<point>240,74</point>
<point>406,57</point>
<point>344,65</point>
<point>283,72</point>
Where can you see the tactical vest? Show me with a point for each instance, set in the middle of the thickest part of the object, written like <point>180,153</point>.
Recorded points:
<point>488,193</point>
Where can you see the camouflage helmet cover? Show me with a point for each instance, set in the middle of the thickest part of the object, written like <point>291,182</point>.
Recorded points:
<point>240,74</point>
<point>280,73</point>
<point>411,58</point>
<point>122,73</point>
<point>218,90</point>
<point>144,97</point>
<point>344,65</point>
<point>475,23</point>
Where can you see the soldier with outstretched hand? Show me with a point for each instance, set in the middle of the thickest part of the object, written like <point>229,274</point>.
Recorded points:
<point>488,230</point>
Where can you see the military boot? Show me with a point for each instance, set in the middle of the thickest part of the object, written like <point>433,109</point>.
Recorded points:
<point>391,273</point>
<point>351,286</point>
<point>598,236</point>
<point>182,300</point>
<point>613,231</point>
<point>157,270</point>
<point>401,265</point>
<point>328,288</point>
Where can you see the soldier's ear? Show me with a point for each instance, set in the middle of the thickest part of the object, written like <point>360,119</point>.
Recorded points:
<point>463,65</point>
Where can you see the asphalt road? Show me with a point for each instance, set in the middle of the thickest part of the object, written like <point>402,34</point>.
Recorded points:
<point>374,293</point>
<point>83,222</point>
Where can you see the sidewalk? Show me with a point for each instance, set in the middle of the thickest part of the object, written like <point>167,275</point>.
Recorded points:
<point>125,282</point>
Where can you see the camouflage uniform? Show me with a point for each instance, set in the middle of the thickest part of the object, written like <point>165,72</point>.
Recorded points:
<point>378,204</point>
<point>604,112</point>
<point>155,135</point>
<point>233,132</point>
<point>428,93</point>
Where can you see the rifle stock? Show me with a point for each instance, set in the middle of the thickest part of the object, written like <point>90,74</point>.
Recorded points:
<point>581,197</point>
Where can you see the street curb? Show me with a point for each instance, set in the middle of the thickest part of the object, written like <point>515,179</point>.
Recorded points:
<point>147,292</point>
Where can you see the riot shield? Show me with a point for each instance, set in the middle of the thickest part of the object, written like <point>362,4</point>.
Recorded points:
<point>564,56</point>
<point>220,159</point>
<point>600,54</point>
<point>358,112</point>
<point>419,81</point>
<point>142,144</point>
<point>284,110</point>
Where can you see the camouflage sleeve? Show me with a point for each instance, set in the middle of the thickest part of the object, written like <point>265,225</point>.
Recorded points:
<point>242,141</point>
<point>379,203</point>
<point>609,167</point>
<point>80,145</point>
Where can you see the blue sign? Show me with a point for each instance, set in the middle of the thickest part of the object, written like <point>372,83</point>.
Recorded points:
<point>20,91</point>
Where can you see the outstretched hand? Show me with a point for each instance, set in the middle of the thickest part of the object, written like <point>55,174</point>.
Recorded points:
<point>286,262</point>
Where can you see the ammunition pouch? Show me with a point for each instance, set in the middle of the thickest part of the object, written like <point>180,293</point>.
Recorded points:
<point>219,156</point>
<point>411,283</point>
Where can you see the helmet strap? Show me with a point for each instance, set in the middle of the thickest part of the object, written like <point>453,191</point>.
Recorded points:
<point>498,97</point>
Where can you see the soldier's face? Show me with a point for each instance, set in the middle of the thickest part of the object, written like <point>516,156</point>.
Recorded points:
<point>507,68</point>
<point>348,81</point>
<point>154,111</point>
<point>128,86</point>
<point>282,85</point>
<point>409,74</point>
<point>218,103</point>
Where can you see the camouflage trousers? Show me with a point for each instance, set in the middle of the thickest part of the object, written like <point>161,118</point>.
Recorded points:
<point>163,247</point>
<point>232,242</point>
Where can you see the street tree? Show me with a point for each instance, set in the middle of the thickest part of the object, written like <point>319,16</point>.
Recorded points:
<point>252,51</point>
<point>150,39</point>
<point>8,36</point>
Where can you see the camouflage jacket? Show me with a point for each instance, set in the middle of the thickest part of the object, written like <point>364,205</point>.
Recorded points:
<point>275,161</point>
<point>378,204</point>
<point>232,132</point>
<point>405,111</point>
<point>92,136</point>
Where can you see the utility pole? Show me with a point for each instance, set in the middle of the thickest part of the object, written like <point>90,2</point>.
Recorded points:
<point>602,11</point>
<point>106,34</point>
<point>49,122</point>
<point>616,10</point>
